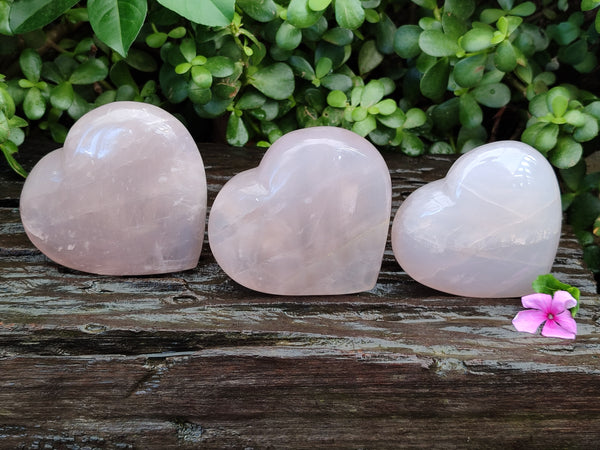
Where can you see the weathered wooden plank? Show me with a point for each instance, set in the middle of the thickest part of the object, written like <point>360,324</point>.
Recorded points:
<point>294,398</point>
<point>194,359</point>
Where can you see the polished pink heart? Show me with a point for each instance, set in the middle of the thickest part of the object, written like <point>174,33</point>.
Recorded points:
<point>126,195</point>
<point>311,219</point>
<point>487,229</point>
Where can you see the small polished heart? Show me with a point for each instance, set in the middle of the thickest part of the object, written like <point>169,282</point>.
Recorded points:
<point>487,229</point>
<point>126,195</point>
<point>311,219</point>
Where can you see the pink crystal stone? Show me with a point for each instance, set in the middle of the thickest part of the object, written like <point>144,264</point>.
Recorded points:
<point>311,219</point>
<point>487,229</point>
<point>126,195</point>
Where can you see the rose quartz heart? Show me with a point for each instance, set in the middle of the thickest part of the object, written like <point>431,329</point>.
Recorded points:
<point>311,219</point>
<point>126,195</point>
<point>487,229</point>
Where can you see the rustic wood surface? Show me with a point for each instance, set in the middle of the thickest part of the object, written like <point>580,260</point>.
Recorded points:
<point>193,360</point>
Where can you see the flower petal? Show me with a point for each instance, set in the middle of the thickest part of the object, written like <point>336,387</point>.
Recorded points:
<point>529,320</point>
<point>537,301</point>
<point>552,329</point>
<point>565,320</point>
<point>565,299</point>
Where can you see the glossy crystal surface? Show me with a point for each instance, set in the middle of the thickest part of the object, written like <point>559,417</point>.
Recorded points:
<point>126,195</point>
<point>311,219</point>
<point>487,229</point>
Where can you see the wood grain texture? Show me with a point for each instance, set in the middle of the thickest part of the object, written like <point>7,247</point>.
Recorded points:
<point>193,360</point>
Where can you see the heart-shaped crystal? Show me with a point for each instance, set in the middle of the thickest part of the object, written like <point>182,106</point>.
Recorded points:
<point>311,219</point>
<point>487,229</point>
<point>126,195</point>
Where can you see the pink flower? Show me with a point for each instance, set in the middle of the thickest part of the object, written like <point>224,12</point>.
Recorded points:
<point>552,310</point>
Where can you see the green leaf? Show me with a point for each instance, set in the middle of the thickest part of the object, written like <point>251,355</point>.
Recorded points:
<point>34,105</point>
<point>337,99</point>
<point>30,15</point>
<point>275,81</point>
<point>182,68</point>
<point>337,81</point>
<point>559,105</point>
<point>79,107</point>
<point>588,5</point>
<point>505,57</point>
<point>172,85</point>
<point>359,113</point>
<point>324,66</point>
<point>471,114</point>
<point>468,72</point>
<point>365,126</point>
<point>120,74</point>
<point>89,72</point>
<point>587,131</point>
<point>7,103</point>
<point>117,22</point>
<point>349,13</point>
<point>259,10</point>
<point>573,176</point>
<point>393,120</point>
<point>9,149</point>
<point>300,15</point>
<point>386,107</point>
<point>406,41</point>
<point>220,66</point>
<point>372,93</point>
<point>31,64</point>
<point>477,39</point>
<point>415,118</point>
<point>494,95</point>
<point>440,148</point>
<point>251,99</point>
<point>385,31</point>
<point>368,57</point>
<point>201,76</point>
<point>566,154</point>
<point>548,284</point>
<point>188,49</point>
<point>435,81</point>
<point>584,210</point>
<point>524,9</point>
<point>318,5</point>
<point>411,145</point>
<point>557,100</point>
<point>339,36</point>
<point>547,137</point>
<point>302,67</point>
<point>212,13</point>
<point>198,95</point>
<point>4,127</point>
<point>436,43</point>
<point>236,133</point>
<point>156,40</point>
<point>288,37</point>
<point>575,117</point>
<point>141,60</point>
<point>460,8</point>
<point>427,4</point>
<point>4,18</point>
<point>62,96</point>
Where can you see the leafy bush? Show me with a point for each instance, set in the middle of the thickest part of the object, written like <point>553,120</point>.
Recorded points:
<point>421,76</point>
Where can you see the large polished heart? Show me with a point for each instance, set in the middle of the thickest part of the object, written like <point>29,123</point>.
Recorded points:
<point>126,195</point>
<point>311,219</point>
<point>487,229</point>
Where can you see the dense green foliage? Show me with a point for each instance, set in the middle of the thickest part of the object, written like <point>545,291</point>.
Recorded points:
<point>421,76</point>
